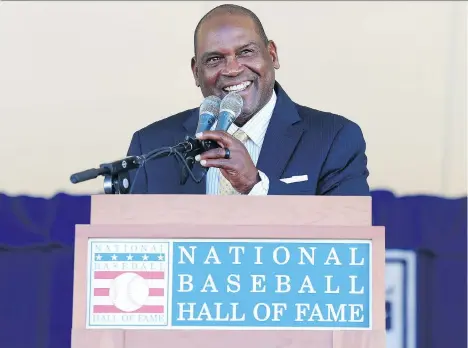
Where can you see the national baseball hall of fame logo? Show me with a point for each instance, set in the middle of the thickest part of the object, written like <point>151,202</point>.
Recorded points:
<point>227,284</point>
<point>128,283</point>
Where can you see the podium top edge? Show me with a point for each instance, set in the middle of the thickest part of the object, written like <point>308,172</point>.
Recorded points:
<point>213,209</point>
<point>233,197</point>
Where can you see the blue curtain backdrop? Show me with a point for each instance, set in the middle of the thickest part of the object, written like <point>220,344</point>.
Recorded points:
<point>36,265</point>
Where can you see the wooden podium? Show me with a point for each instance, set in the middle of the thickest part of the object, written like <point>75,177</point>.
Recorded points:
<point>133,271</point>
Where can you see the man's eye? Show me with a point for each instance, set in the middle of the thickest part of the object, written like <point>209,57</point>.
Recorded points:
<point>246,51</point>
<point>212,60</point>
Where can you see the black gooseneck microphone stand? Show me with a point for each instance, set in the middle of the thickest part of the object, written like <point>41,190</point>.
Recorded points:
<point>117,174</point>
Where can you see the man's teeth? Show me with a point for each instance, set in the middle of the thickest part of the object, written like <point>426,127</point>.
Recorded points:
<point>237,88</point>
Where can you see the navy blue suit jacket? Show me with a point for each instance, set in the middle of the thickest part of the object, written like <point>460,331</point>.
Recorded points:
<point>328,148</point>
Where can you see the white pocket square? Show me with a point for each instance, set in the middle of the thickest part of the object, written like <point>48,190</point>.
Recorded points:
<point>296,178</point>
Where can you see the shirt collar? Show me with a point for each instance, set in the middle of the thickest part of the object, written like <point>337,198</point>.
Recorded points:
<point>256,127</point>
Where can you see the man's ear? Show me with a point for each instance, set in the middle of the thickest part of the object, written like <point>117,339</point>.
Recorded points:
<point>195,71</point>
<point>273,54</point>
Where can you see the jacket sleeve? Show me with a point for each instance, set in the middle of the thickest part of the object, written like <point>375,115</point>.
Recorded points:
<point>138,178</point>
<point>344,172</point>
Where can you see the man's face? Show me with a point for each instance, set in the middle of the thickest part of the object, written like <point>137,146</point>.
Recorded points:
<point>230,55</point>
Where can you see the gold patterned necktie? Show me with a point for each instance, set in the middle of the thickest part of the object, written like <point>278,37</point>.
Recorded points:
<point>225,187</point>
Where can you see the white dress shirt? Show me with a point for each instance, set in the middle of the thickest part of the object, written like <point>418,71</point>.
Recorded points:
<point>255,128</point>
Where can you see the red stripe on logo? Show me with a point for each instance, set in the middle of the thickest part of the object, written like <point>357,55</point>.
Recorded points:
<point>105,292</point>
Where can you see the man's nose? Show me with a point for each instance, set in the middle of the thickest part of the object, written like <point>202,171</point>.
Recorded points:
<point>232,67</point>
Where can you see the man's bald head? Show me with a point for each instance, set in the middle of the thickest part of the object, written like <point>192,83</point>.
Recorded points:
<point>230,10</point>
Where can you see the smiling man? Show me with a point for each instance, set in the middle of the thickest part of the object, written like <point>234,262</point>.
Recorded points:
<point>275,146</point>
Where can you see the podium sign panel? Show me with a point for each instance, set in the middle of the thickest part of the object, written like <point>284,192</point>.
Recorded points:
<point>229,284</point>
<point>181,284</point>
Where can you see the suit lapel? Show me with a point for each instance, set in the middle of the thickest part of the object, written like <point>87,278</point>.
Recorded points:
<point>283,134</point>
<point>191,187</point>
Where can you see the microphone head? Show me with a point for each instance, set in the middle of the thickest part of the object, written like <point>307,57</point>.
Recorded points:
<point>209,111</point>
<point>233,104</point>
<point>210,105</point>
<point>231,108</point>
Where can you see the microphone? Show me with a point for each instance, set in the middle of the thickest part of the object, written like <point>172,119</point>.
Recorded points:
<point>209,110</point>
<point>230,106</point>
<point>230,109</point>
<point>87,174</point>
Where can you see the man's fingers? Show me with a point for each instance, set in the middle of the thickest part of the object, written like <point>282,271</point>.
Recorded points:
<point>219,136</point>
<point>217,163</point>
<point>213,153</point>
